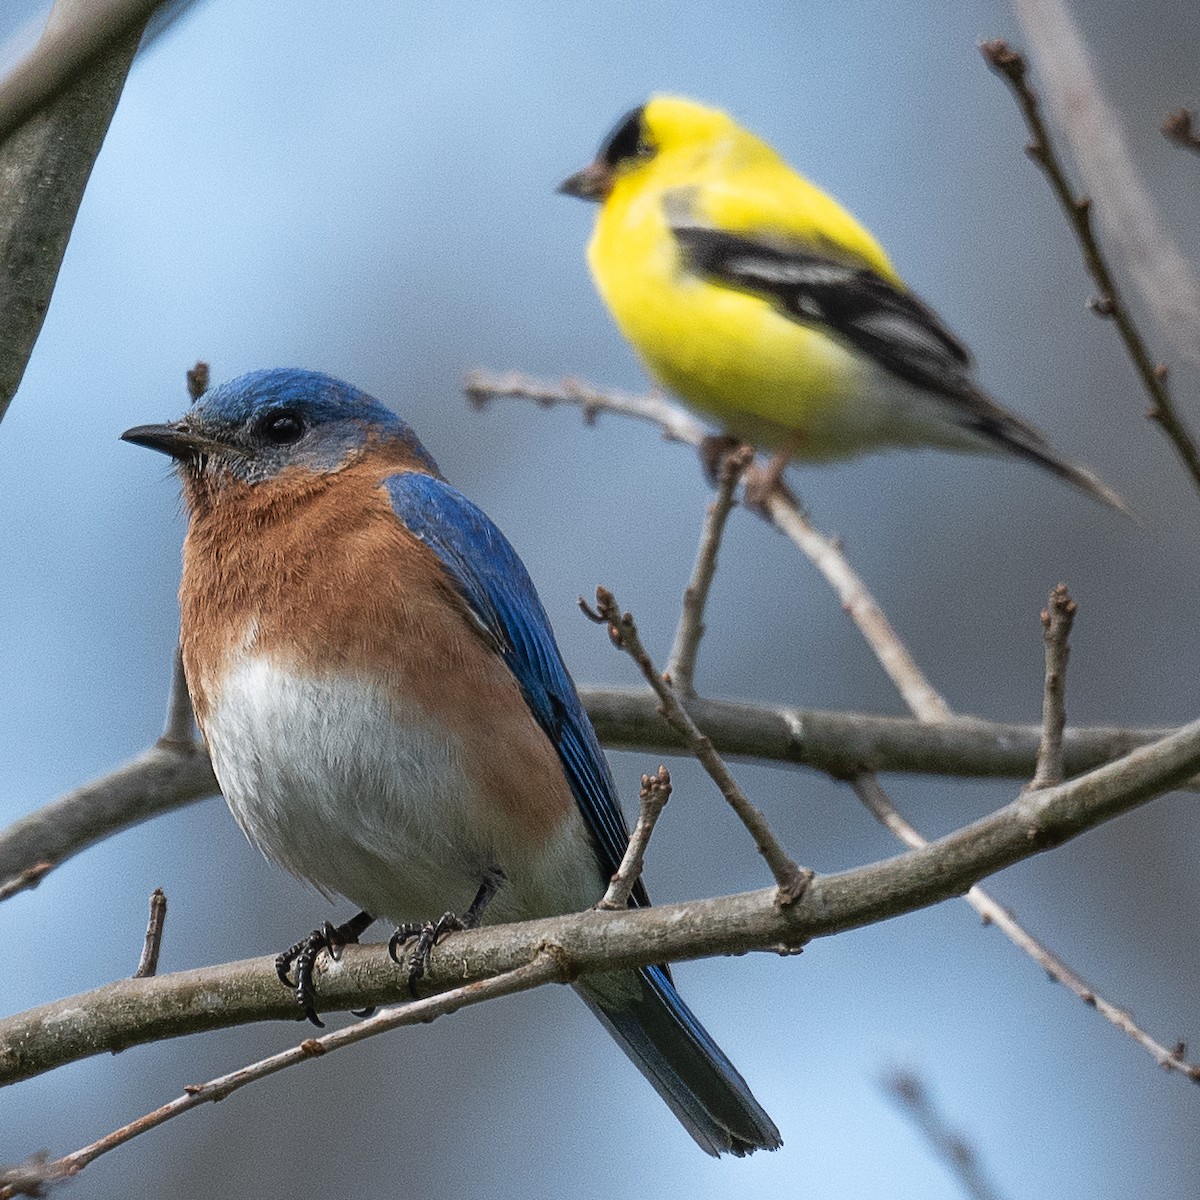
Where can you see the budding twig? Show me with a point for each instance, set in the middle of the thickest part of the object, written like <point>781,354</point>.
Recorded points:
<point>655,792</point>
<point>154,934</point>
<point>790,879</point>
<point>1057,618</point>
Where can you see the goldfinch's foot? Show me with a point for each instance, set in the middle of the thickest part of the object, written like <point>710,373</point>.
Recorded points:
<point>714,450</point>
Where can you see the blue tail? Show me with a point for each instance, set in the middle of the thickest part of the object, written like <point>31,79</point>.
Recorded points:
<point>650,1022</point>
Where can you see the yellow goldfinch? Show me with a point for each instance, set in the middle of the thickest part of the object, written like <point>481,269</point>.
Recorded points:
<point>764,304</point>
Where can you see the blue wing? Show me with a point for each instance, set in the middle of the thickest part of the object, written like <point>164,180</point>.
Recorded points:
<point>493,581</point>
<point>650,1022</point>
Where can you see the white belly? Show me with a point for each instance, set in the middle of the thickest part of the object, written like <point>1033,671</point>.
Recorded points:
<point>363,794</point>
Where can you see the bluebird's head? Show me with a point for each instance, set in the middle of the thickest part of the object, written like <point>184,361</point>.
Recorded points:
<point>262,423</point>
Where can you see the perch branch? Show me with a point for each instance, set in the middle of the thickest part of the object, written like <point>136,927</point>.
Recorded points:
<point>134,1011</point>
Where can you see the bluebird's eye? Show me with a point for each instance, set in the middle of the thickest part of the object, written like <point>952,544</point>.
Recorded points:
<point>281,428</point>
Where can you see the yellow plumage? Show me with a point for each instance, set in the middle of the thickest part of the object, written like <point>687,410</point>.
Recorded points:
<point>764,304</point>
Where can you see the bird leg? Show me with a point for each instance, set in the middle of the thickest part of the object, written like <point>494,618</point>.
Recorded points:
<point>762,481</point>
<point>429,933</point>
<point>304,955</point>
<point>714,448</point>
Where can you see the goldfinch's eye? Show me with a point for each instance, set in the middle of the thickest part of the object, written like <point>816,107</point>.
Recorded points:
<point>281,428</point>
<point>628,141</point>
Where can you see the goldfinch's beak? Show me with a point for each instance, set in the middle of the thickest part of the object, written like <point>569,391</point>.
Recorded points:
<point>175,439</point>
<point>594,182</point>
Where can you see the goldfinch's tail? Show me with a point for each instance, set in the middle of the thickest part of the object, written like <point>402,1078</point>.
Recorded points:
<point>1007,432</point>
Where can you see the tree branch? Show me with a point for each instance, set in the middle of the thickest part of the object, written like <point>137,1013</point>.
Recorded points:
<point>77,33</point>
<point>157,780</point>
<point>837,743</point>
<point>45,163</point>
<point>134,1011</point>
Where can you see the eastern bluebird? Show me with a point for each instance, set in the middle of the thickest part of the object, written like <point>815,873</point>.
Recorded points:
<point>386,708</point>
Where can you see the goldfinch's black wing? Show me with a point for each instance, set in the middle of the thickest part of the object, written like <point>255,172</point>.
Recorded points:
<point>874,316</point>
<point>879,320</point>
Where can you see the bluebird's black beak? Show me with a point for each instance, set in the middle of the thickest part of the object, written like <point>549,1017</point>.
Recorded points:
<point>175,439</point>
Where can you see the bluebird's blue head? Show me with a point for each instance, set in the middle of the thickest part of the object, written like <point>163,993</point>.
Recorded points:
<point>262,423</point>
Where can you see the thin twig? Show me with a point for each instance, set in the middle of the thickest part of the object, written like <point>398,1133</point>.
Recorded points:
<point>154,934</point>
<point>958,1154</point>
<point>1057,618</point>
<point>1179,127</point>
<point>879,803</point>
<point>790,879</point>
<point>653,797</point>
<point>676,424</point>
<point>824,553</point>
<point>1011,67</point>
<point>681,666</point>
<point>544,968</point>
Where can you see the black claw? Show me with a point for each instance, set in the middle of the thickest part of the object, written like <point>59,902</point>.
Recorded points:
<point>430,934</point>
<point>402,933</point>
<point>303,955</point>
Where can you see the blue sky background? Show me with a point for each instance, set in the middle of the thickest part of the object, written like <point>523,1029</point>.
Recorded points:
<point>368,189</point>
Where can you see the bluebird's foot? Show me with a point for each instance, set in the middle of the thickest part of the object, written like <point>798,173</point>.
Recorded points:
<point>429,933</point>
<point>304,955</point>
